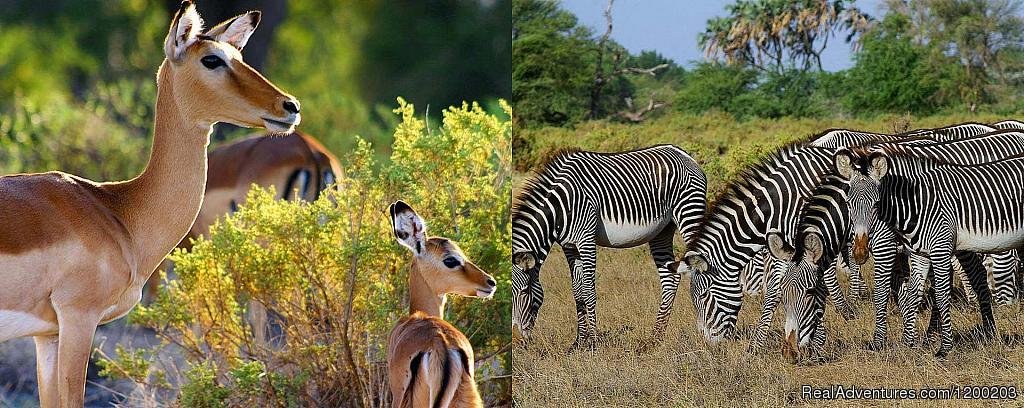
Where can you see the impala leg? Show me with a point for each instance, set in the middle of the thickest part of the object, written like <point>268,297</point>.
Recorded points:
<point>46,370</point>
<point>73,350</point>
<point>661,252</point>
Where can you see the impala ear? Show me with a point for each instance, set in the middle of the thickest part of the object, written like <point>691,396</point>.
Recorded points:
<point>409,228</point>
<point>526,260</point>
<point>236,31</point>
<point>696,262</point>
<point>814,246</point>
<point>843,161</point>
<point>778,247</point>
<point>185,29</point>
<point>878,166</point>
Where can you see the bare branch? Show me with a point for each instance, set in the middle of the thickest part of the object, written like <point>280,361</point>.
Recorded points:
<point>652,71</point>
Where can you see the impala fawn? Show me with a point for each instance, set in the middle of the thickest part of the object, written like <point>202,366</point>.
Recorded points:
<point>75,254</point>
<point>430,362</point>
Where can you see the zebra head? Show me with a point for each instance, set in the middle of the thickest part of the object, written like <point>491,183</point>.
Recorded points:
<point>716,298</point>
<point>863,171</point>
<point>802,290</point>
<point>527,293</point>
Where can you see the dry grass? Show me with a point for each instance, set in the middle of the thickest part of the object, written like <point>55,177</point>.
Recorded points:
<point>686,371</point>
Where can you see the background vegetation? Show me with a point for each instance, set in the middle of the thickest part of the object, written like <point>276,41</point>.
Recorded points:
<point>921,64</point>
<point>77,93</point>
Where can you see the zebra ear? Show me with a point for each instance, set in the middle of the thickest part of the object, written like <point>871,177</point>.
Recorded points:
<point>878,166</point>
<point>814,246</point>
<point>409,228</point>
<point>524,259</point>
<point>843,161</point>
<point>778,247</point>
<point>696,262</point>
<point>675,266</point>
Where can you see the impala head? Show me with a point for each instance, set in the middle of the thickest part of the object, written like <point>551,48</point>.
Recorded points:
<point>210,82</point>
<point>802,290</point>
<point>863,171</point>
<point>716,301</point>
<point>439,261</point>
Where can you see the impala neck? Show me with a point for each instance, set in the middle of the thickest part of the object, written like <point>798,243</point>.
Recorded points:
<point>422,297</point>
<point>161,204</point>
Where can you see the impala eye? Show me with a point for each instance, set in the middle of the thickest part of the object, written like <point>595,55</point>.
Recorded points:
<point>212,62</point>
<point>451,262</point>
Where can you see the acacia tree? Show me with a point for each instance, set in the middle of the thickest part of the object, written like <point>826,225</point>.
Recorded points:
<point>773,35</point>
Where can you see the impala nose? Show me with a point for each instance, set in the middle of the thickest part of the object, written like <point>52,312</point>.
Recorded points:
<point>491,282</point>
<point>291,106</point>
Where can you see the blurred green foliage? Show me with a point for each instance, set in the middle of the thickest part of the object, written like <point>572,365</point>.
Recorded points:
<point>333,271</point>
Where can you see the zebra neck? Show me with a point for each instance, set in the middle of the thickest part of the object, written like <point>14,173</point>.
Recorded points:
<point>423,298</point>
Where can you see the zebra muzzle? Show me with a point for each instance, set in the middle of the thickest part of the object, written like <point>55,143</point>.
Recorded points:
<point>860,248</point>
<point>789,347</point>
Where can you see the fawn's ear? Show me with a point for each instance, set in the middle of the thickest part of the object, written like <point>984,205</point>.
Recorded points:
<point>778,247</point>
<point>409,228</point>
<point>236,31</point>
<point>878,166</point>
<point>843,161</point>
<point>185,29</point>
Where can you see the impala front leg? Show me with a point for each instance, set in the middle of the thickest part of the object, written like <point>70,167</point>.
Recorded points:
<point>73,349</point>
<point>46,371</point>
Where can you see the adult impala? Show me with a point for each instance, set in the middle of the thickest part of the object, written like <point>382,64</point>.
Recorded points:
<point>75,254</point>
<point>430,362</point>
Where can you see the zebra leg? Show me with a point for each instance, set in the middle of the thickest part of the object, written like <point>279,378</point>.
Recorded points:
<point>978,281</point>
<point>773,283</point>
<point>884,251</point>
<point>910,293</point>
<point>836,292</point>
<point>1004,268</point>
<point>581,285</point>
<point>857,286</point>
<point>942,265</point>
<point>661,252</point>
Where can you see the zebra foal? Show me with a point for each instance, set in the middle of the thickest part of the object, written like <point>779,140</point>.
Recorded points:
<point>582,200</point>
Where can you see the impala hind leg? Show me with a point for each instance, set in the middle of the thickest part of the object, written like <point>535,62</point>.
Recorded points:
<point>661,252</point>
<point>46,370</point>
<point>74,346</point>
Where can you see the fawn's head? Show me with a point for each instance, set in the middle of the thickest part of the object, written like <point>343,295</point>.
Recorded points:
<point>439,261</point>
<point>211,83</point>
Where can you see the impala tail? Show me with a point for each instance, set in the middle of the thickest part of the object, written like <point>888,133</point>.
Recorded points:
<point>436,376</point>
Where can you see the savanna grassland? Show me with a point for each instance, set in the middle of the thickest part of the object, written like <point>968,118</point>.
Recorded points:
<point>685,370</point>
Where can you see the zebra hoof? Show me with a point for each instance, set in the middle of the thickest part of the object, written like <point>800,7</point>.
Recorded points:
<point>648,344</point>
<point>942,354</point>
<point>875,345</point>
<point>583,345</point>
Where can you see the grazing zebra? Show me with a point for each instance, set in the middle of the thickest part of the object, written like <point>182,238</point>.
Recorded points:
<point>764,197</point>
<point>860,166</point>
<point>581,200</point>
<point>821,234</point>
<point>978,208</point>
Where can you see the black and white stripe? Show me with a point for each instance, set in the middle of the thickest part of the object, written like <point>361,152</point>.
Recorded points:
<point>582,200</point>
<point>978,208</point>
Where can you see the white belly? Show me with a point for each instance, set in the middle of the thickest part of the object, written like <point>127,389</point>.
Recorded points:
<point>967,240</point>
<point>622,235</point>
<point>19,324</point>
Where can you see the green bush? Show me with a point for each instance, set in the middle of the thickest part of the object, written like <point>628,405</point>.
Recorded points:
<point>714,86</point>
<point>334,274</point>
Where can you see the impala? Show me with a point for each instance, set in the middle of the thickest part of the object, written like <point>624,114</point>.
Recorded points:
<point>430,362</point>
<point>75,254</point>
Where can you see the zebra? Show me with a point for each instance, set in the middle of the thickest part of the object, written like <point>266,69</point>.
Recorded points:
<point>763,197</point>
<point>859,166</point>
<point>1009,124</point>
<point>951,207</point>
<point>581,200</point>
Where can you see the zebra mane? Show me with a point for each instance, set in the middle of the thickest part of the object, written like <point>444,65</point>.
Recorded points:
<point>744,180</point>
<point>537,179</point>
